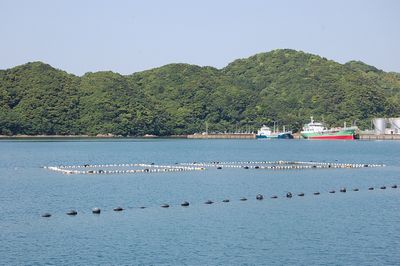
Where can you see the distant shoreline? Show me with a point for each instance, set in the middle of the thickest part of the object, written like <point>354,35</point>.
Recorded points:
<point>87,137</point>
<point>231,136</point>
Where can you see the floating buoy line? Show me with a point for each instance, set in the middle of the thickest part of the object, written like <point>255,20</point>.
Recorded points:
<point>258,197</point>
<point>120,168</point>
<point>281,165</point>
<point>132,168</point>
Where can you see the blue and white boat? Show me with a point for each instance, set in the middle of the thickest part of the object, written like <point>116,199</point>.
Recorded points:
<point>266,133</point>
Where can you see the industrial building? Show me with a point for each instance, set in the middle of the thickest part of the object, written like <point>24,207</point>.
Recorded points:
<point>386,126</point>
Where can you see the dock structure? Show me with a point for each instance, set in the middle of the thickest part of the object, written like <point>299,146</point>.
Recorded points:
<point>295,136</point>
<point>366,136</point>
<point>380,137</point>
<point>223,136</point>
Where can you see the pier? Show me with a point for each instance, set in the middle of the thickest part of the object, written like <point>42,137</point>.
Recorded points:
<point>380,137</point>
<point>223,136</point>
<point>295,136</point>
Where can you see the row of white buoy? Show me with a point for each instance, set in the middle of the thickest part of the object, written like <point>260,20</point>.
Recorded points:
<point>289,166</point>
<point>288,195</point>
<point>286,167</point>
<point>111,165</point>
<point>98,165</point>
<point>128,171</point>
<point>239,164</point>
<point>108,165</point>
<point>344,165</point>
<point>198,166</point>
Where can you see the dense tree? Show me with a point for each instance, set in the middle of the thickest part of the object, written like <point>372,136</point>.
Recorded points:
<point>283,86</point>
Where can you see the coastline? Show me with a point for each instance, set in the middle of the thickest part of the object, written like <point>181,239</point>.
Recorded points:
<point>88,137</point>
<point>194,136</point>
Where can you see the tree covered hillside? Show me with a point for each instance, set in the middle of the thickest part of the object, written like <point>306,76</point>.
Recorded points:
<point>286,86</point>
<point>292,86</point>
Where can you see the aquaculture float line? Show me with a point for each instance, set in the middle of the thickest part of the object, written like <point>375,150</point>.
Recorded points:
<point>258,197</point>
<point>199,166</point>
<point>281,165</point>
<point>149,169</point>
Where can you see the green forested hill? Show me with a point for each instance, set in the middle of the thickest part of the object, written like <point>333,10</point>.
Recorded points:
<point>282,85</point>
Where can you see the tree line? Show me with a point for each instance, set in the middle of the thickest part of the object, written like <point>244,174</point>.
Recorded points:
<point>283,85</point>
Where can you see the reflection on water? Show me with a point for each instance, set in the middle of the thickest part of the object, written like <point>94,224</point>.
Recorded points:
<point>342,228</point>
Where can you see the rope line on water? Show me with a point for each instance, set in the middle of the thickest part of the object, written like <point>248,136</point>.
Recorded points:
<point>258,197</point>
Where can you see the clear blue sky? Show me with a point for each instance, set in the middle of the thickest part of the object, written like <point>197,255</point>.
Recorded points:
<point>129,36</point>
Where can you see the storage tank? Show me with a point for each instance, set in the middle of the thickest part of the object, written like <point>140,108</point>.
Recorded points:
<point>395,124</point>
<point>379,125</point>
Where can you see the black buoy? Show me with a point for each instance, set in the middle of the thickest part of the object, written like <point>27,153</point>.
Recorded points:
<point>246,167</point>
<point>274,197</point>
<point>219,167</point>
<point>142,207</point>
<point>316,193</point>
<point>209,202</point>
<point>370,188</point>
<point>300,194</point>
<point>257,167</point>
<point>165,206</point>
<point>259,197</point>
<point>118,209</point>
<point>243,199</point>
<point>355,189</point>
<point>72,212</point>
<point>343,189</point>
<point>96,210</point>
<point>383,187</point>
<point>288,195</point>
<point>46,215</point>
<point>394,186</point>
<point>185,204</point>
<point>225,200</point>
<point>332,191</point>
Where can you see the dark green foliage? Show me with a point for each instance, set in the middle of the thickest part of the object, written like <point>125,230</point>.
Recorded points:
<point>293,85</point>
<point>286,86</point>
<point>38,99</point>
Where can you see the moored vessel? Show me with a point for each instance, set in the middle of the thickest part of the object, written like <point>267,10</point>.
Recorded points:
<point>316,130</point>
<point>266,133</point>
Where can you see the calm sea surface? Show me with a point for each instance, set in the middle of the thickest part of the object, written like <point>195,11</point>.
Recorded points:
<point>330,229</point>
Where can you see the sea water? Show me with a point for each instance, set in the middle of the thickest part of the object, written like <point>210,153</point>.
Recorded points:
<point>329,229</point>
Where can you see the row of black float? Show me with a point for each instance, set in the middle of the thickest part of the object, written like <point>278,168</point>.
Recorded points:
<point>186,203</point>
